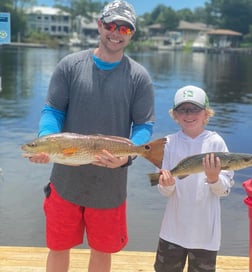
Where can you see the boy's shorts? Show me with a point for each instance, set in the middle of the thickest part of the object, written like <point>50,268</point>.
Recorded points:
<point>171,257</point>
<point>66,222</point>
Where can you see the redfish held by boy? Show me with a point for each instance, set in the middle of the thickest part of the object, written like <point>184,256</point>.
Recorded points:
<point>77,149</point>
<point>193,164</point>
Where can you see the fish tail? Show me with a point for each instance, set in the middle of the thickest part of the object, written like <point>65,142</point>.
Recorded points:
<point>154,177</point>
<point>154,151</point>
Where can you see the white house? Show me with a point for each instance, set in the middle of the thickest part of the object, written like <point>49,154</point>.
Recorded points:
<point>52,21</point>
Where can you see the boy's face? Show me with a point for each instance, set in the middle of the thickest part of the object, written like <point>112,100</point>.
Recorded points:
<point>191,118</point>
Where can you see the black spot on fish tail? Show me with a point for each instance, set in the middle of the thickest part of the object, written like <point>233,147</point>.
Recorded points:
<point>147,147</point>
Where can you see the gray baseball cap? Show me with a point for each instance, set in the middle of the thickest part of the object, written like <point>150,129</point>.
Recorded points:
<point>119,10</point>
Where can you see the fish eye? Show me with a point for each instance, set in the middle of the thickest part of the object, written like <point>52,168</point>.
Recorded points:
<point>32,144</point>
<point>147,147</point>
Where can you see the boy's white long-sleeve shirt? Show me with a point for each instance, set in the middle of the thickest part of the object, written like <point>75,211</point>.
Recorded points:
<point>192,217</point>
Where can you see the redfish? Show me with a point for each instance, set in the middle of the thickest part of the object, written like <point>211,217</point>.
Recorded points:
<point>77,149</point>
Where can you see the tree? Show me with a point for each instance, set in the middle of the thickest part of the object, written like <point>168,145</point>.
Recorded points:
<point>200,15</point>
<point>80,7</point>
<point>236,15</point>
<point>231,14</point>
<point>168,18</point>
<point>18,21</point>
<point>186,15</point>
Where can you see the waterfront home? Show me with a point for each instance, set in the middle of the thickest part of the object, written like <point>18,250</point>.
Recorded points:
<point>50,20</point>
<point>216,39</point>
<point>86,27</point>
<point>190,31</point>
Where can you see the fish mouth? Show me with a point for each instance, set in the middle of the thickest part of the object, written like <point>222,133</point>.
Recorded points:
<point>27,155</point>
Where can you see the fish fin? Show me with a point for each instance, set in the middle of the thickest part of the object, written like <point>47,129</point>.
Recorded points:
<point>154,151</point>
<point>182,176</point>
<point>69,151</point>
<point>154,177</point>
<point>114,138</point>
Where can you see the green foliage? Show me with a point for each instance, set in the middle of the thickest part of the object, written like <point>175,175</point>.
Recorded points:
<point>186,15</point>
<point>248,37</point>
<point>230,14</point>
<point>41,38</point>
<point>18,20</point>
<point>168,19</point>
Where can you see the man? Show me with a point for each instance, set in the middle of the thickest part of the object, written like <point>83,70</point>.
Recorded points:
<point>95,91</point>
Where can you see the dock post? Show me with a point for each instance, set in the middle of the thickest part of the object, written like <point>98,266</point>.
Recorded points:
<point>247,185</point>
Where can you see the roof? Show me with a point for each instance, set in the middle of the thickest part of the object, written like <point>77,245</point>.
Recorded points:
<point>46,11</point>
<point>155,26</point>
<point>183,25</point>
<point>224,32</point>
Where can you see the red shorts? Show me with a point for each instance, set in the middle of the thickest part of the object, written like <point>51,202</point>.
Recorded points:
<point>66,222</point>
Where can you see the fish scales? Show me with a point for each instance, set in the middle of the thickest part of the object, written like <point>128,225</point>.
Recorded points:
<point>77,149</point>
<point>193,164</point>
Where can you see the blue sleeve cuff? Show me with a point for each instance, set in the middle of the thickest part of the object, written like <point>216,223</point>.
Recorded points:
<point>51,121</point>
<point>141,134</point>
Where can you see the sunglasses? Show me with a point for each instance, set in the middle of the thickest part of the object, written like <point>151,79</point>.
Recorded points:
<point>122,29</point>
<point>195,110</point>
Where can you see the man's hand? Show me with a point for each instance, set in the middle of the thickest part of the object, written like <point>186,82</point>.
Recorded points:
<point>109,160</point>
<point>38,158</point>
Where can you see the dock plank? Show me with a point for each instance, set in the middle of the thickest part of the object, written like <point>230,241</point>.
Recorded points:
<point>33,259</point>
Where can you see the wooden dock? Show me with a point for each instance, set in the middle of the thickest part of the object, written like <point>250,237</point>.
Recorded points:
<point>33,259</point>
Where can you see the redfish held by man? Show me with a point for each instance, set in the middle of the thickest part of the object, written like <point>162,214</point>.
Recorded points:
<point>77,149</point>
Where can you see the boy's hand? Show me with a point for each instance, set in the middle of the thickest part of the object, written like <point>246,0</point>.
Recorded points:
<point>212,166</point>
<point>166,179</point>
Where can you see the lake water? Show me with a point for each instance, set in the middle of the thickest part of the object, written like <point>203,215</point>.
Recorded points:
<point>25,76</point>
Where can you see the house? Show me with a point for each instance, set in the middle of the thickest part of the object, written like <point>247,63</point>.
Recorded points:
<point>224,38</point>
<point>185,32</point>
<point>216,39</point>
<point>170,41</point>
<point>86,27</point>
<point>156,30</point>
<point>52,21</point>
<point>190,31</point>
<point>162,39</point>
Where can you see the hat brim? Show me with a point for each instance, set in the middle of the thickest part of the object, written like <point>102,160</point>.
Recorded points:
<point>189,101</point>
<point>113,17</point>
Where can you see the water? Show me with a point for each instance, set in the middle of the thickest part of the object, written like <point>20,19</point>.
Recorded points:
<point>25,76</point>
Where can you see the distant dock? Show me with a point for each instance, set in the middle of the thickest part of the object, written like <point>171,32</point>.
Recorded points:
<point>223,50</point>
<point>30,259</point>
<point>19,44</point>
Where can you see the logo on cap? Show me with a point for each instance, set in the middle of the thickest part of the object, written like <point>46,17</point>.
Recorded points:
<point>188,94</point>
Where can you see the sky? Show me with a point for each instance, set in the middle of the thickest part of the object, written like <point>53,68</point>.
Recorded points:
<point>142,6</point>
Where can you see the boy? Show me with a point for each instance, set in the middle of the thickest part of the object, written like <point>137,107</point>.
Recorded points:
<point>191,225</point>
